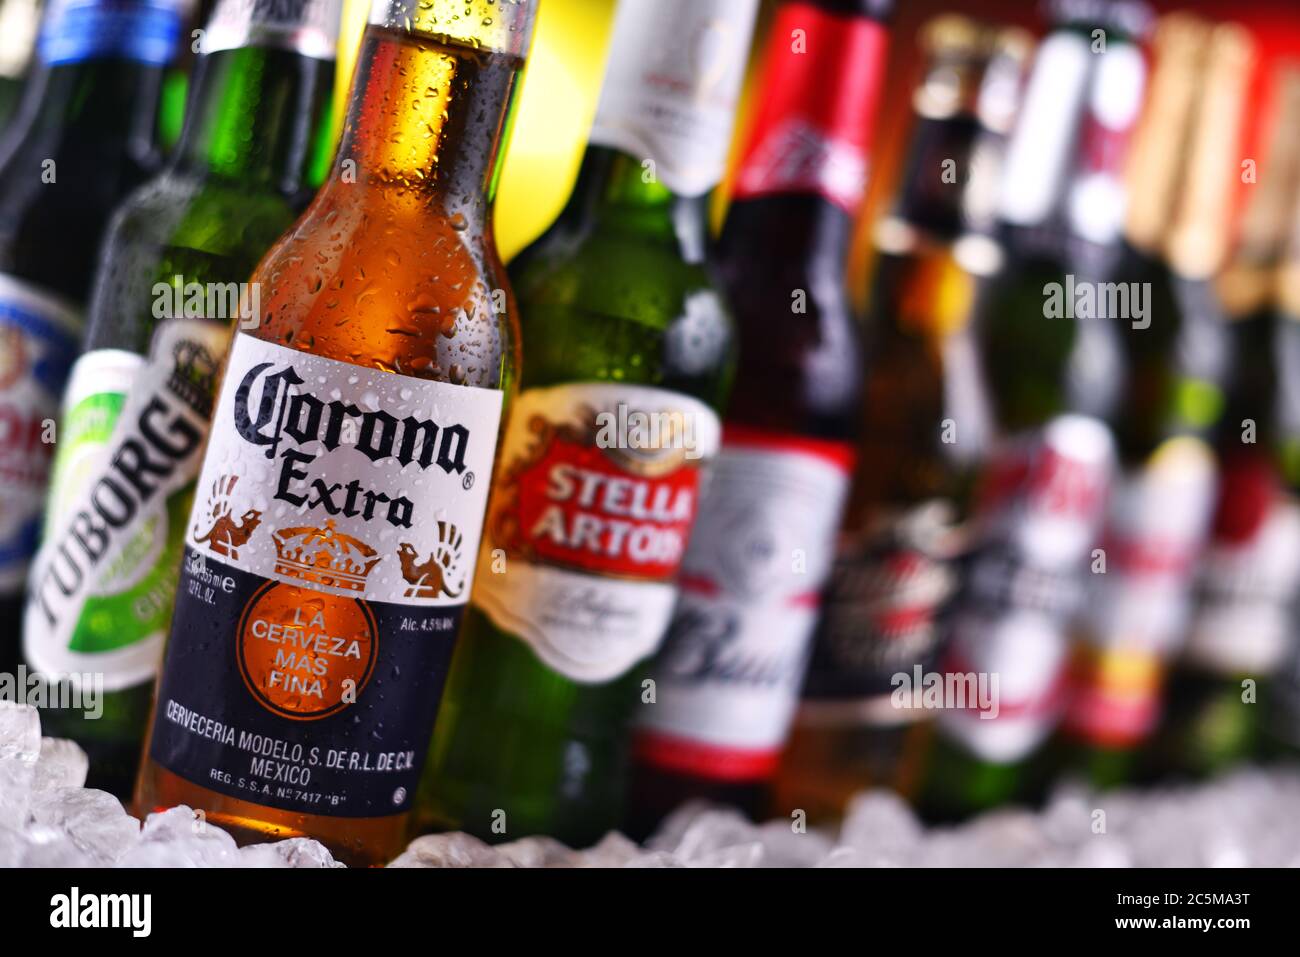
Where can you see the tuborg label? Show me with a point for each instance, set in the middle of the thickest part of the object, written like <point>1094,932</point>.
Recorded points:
<point>38,342</point>
<point>727,680</point>
<point>306,27</point>
<point>101,587</point>
<point>328,560</point>
<point>675,68</point>
<point>596,499</point>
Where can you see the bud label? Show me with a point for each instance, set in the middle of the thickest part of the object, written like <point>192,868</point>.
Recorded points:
<point>728,677</point>
<point>593,522</point>
<point>328,561</point>
<point>38,342</point>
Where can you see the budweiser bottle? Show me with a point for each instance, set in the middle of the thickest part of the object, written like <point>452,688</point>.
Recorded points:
<point>924,428</point>
<point>331,547</point>
<point>1175,364</point>
<point>727,680</point>
<point>1049,361</point>
<point>630,354</point>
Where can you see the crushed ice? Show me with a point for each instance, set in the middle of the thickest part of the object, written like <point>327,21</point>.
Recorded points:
<point>1247,818</point>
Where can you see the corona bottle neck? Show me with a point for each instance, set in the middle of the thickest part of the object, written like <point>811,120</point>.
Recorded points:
<point>427,117</point>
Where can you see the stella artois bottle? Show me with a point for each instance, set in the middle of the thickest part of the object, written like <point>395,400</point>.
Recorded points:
<point>630,353</point>
<point>82,138</point>
<point>727,679</point>
<point>168,286</point>
<point>1175,352</point>
<point>924,429</point>
<point>1040,498</point>
<point>330,552</point>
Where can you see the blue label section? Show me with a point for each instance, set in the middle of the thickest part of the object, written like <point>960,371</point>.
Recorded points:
<point>296,700</point>
<point>36,355</point>
<point>142,30</point>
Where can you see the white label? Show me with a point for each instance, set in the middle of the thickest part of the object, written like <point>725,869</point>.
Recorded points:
<point>306,27</point>
<point>38,342</point>
<point>671,86</point>
<point>1158,518</point>
<point>731,667</point>
<point>348,479</point>
<point>595,501</point>
<point>107,521</point>
<point>1244,621</point>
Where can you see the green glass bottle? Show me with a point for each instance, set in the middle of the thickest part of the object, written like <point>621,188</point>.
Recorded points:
<point>171,281</point>
<point>621,319</point>
<point>1051,375</point>
<point>83,137</point>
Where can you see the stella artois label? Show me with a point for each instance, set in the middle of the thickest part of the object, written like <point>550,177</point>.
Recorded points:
<point>727,681</point>
<point>673,79</point>
<point>99,594</point>
<point>596,496</point>
<point>327,562</point>
<point>38,342</point>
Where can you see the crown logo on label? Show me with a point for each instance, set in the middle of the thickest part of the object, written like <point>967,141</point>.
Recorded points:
<point>324,556</point>
<point>193,376</point>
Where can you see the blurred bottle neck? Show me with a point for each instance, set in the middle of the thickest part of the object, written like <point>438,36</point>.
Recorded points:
<point>258,115</point>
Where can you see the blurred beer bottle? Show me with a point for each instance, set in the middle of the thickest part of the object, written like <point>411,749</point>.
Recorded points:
<point>330,551</point>
<point>1241,627</point>
<point>1049,361</point>
<point>170,281</point>
<point>630,353</point>
<point>924,427</point>
<point>19,22</point>
<point>1180,179</point>
<point>83,137</point>
<point>727,680</point>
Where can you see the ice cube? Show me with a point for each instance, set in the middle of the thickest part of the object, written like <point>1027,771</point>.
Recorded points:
<point>93,820</point>
<point>20,731</point>
<point>882,829</point>
<point>450,850</point>
<point>294,852</point>
<point>185,835</point>
<point>537,852</point>
<point>62,764</point>
<point>614,850</point>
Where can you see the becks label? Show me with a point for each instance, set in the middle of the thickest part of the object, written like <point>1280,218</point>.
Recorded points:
<point>727,680</point>
<point>100,590</point>
<point>673,79</point>
<point>327,564</point>
<point>595,501</point>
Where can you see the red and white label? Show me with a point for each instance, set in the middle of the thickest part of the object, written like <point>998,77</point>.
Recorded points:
<point>592,509</point>
<point>1040,510</point>
<point>1241,623</point>
<point>727,681</point>
<point>812,132</point>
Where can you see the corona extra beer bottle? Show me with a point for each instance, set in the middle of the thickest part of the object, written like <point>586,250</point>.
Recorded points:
<point>332,544</point>
<point>168,285</point>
